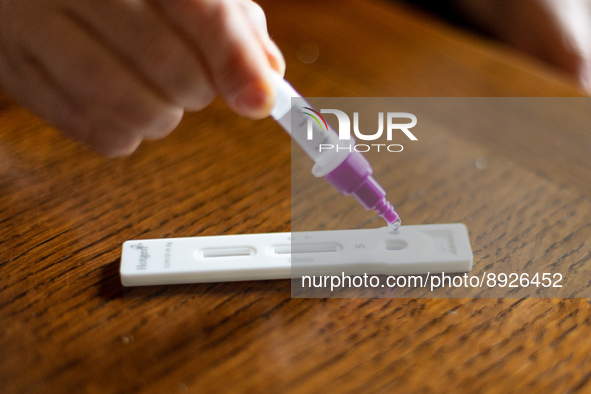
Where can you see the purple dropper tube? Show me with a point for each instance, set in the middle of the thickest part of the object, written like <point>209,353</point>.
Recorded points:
<point>350,173</point>
<point>354,177</point>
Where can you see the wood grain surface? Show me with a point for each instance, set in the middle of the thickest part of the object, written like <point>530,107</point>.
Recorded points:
<point>67,325</point>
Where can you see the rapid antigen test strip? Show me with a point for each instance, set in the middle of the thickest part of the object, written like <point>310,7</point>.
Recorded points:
<point>412,250</point>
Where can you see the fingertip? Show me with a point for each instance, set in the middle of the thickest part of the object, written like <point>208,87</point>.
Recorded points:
<point>200,102</point>
<point>275,57</point>
<point>163,123</point>
<point>255,101</point>
<point>122,150</point>
<point>113,143</point>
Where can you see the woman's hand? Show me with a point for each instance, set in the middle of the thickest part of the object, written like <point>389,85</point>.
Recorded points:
<point>113,72</point>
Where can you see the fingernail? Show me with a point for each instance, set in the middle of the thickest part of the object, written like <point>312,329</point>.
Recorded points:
<point>278,61</point>
<point>254,102</point>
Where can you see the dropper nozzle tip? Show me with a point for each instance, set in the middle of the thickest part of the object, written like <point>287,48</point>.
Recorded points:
<point>395,225</point>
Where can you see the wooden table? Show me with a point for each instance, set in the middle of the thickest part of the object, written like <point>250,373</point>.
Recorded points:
<point>67,325</point>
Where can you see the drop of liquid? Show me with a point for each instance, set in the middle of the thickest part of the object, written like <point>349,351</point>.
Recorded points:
<point>395,225</point>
